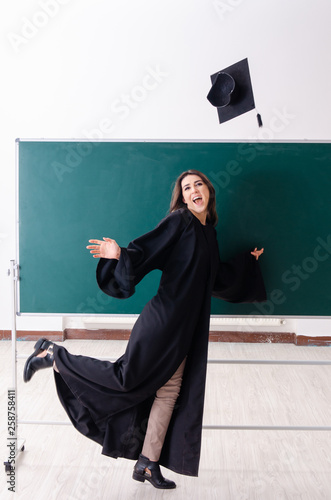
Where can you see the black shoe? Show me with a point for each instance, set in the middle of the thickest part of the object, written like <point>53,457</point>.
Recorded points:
<point>155,477</point>
<point>33,363</point>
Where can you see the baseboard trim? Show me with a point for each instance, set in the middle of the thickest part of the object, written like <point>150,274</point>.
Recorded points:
<point>313,341</point>
<point>56,336</point>
<point>214,336</point>
<point>253,337</point>
<point>100,334</point>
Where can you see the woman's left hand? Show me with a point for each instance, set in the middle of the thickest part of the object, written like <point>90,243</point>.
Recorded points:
<point>257,253</point>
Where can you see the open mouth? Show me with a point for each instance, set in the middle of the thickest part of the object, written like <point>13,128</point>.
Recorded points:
<point>197,200</point>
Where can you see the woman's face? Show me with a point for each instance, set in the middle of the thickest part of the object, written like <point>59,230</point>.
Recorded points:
<point>196,196</point>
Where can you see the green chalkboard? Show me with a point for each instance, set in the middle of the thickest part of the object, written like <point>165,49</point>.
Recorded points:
<point>275,195</point>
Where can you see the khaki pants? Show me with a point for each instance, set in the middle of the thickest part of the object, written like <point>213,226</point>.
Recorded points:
<point>160,415</point>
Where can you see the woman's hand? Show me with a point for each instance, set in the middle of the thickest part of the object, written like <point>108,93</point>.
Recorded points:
<point>107,249</point>
<point>257,253</point>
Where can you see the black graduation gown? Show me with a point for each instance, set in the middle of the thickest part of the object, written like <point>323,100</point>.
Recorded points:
<point>110,402</point>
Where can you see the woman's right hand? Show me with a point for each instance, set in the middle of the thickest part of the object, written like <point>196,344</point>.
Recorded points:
<point>106,249</point>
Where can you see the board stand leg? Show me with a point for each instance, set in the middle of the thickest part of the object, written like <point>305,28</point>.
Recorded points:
<point>12,391</point>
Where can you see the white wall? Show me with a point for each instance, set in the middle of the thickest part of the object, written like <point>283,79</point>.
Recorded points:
<point>140,69</point>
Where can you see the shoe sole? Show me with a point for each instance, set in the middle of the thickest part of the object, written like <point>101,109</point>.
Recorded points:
<point>142,479</point>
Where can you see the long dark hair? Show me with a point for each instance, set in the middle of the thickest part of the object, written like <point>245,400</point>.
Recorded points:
<point>177,196</point>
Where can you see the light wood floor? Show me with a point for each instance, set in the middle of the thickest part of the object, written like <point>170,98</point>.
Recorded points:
<point>59,463</point>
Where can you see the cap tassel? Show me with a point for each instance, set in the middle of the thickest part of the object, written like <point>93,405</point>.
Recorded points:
<point>259,120</point>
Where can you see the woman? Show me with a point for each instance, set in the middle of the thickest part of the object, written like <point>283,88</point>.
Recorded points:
<point>149,403</point>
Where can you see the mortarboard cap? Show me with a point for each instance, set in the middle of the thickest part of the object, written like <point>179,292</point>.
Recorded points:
<point>232,92</point>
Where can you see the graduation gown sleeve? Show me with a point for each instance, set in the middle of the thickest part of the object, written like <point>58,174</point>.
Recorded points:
<point>240,280</point>
<point>118,278</point>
